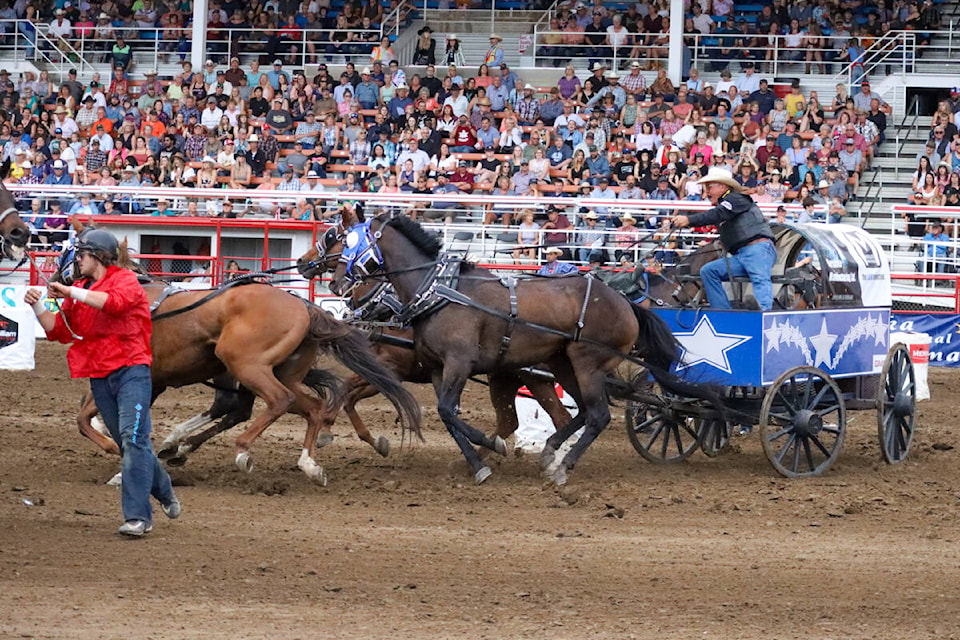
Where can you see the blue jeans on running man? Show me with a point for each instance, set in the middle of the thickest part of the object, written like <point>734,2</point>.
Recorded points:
<point>123,398</point>
<point>755,261</point>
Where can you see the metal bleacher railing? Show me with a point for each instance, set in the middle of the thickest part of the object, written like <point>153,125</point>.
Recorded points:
<point>267,217</point>
<point>30,41</point>
<point>774,55</point>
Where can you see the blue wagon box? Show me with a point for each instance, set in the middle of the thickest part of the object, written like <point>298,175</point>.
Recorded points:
<point>753,348</point>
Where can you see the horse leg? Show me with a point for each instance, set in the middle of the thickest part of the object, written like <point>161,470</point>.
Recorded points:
<point>88,411</point>
<point>563,372</point>
<point>595,409</point>
<point>278,398</point>
<point>319,417</point>
<point>225,401</point>
<point>238,411</point>
<point>358,390</point>
<point>545,393</point>
<point>503,393</point>
<point>449,387</point>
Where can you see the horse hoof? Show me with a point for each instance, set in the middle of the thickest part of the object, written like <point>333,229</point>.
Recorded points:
<point>244,461</point>
<point>547,458</point>
<point>482,475</point>
<point>382,446</point>
<point>324,439</point>
<point>176,461</point>
<point>500,445</point>
<point>558,475</point>
<point>319,476</point>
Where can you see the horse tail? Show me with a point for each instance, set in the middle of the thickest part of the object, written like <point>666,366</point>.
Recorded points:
<point>660,350</point>
<point>655,342</point>
<point>328,385</point>
<point>352,349</point>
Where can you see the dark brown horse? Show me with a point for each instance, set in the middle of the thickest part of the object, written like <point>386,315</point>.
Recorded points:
<point>14,232</point>
<point>577,325</point>
<point>394,347</point>
<point>267,340</point>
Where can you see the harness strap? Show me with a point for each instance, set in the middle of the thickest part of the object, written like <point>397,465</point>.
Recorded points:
<point>204,300</point>
<point>511,284</point>
<point>583,310</point>
<point>166,293</point>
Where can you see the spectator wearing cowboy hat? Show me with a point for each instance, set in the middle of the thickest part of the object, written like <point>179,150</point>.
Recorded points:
<point>744,233</point>
<point>554,266</point>
<point>494,55</point>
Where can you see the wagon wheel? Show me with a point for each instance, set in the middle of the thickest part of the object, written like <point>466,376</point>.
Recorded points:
<point>802,422</point>
<point>714,436</point>
<point>660,434</point>
<point>896,404</point>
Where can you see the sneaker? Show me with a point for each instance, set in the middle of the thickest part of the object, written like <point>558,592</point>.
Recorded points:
<point>135,528</point>
<point>172,510</point>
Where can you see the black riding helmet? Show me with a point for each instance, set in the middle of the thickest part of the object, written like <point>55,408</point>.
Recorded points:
<point>102,244</point>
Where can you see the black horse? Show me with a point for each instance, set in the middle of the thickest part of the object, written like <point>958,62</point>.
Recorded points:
<point>14,232</point>
<point>577,325</point>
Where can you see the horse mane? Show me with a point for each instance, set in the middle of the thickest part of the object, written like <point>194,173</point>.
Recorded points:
<point>416,234</point>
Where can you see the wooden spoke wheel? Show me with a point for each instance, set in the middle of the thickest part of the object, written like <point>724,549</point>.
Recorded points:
<point>896,404</point>
<point>714,436</point>
<point>660,434</point>
<point>802,422</point>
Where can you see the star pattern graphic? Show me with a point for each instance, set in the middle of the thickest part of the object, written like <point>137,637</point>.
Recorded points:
<point>705,346</point>
<point>785,334</point>
<point>822,343</point>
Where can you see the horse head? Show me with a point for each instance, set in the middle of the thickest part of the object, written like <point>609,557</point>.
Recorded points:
<point>14,232</point>
<point>359,258</point>
<point>687,291</point>
<point>325,254</point>
<point>67,270</point>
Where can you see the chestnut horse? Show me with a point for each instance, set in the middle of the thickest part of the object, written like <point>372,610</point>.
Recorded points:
<point>578,326</point>
<point>394,347</point>
<point>267,341</point>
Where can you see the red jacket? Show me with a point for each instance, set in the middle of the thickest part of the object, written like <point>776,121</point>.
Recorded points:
<point>113,337</point>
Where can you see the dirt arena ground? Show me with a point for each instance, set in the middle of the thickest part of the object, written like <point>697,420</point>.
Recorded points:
<point>408,547</point>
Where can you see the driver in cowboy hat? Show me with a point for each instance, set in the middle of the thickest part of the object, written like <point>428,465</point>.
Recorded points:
<point>744,232</point>
<point>554,266</point>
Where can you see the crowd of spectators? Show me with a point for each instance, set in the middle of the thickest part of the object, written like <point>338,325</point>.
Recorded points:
<point>815,33</point>
<point>298,31</point>
<point>936,183</point>
<point>381,127</point>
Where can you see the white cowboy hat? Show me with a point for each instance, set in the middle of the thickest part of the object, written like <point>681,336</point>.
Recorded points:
<point>723,176</point>
<point>628,216</point>
<point>553,250</point>
<point>494,36</point>
<point>597,66</point>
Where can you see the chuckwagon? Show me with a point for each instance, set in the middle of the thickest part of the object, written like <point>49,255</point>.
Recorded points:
<point>793,373</point>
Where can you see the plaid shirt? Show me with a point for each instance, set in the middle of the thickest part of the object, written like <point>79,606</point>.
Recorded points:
<point>194,145</point>
<point>270,146</point>
<point>634,83</point>
<point>95,159</point>
<point>528,110</point>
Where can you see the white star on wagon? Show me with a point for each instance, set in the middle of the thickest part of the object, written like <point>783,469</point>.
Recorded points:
<point>707,346</point>
<point>823,342</point>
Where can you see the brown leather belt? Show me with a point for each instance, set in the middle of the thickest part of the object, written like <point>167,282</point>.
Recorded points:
<point>756,241</point>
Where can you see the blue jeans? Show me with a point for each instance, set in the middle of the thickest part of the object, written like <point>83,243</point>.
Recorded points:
<point>123,398</point>
<point>755,261</point>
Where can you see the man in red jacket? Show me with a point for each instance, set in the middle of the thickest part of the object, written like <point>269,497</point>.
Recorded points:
<point>105,318</point>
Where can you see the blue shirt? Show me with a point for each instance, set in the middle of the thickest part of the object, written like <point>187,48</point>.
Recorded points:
<point>556,268</point>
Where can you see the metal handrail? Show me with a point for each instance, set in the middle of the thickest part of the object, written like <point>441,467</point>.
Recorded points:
<point>914,106</point>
